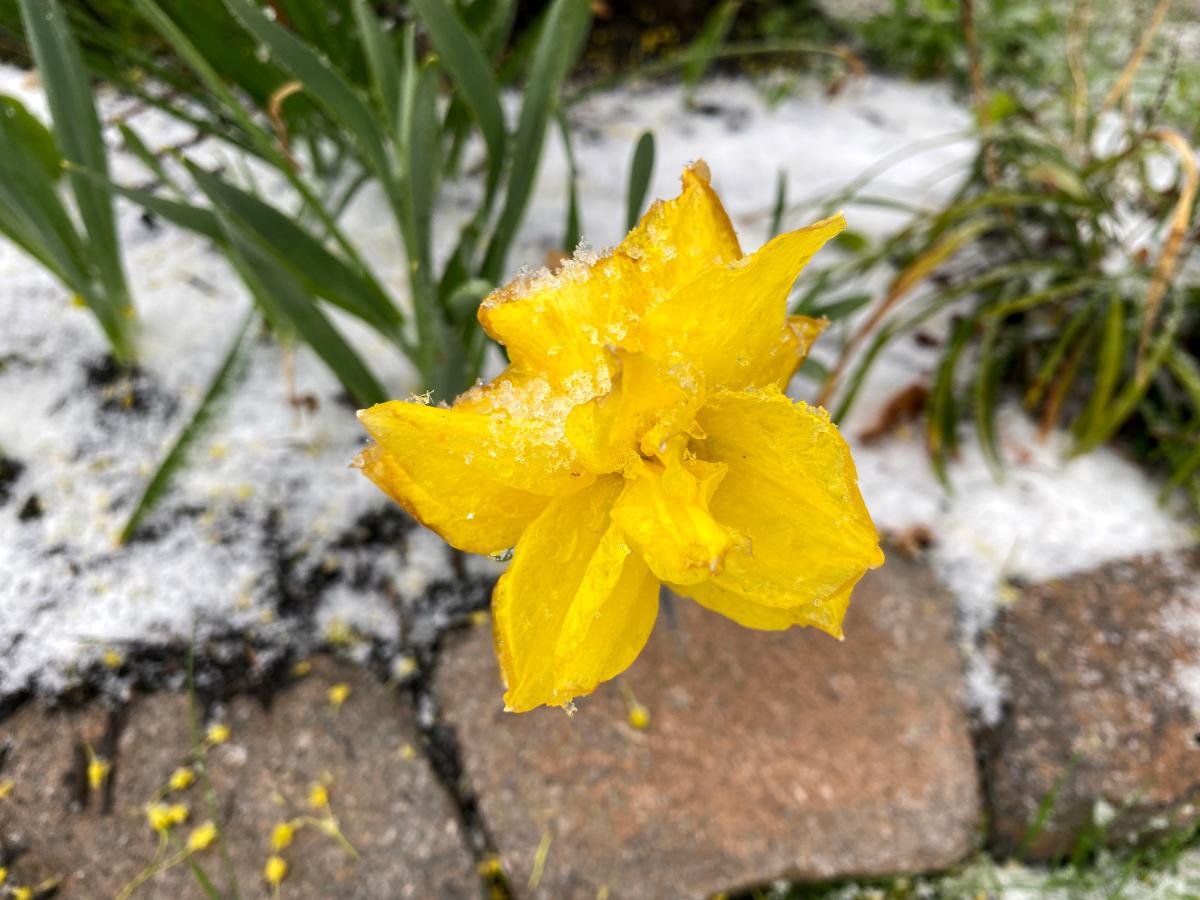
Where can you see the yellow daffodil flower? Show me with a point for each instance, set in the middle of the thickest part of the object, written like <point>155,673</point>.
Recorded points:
<point>640,435</point>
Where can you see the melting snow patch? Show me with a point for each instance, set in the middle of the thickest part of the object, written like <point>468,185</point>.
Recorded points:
<point>1049,515</point>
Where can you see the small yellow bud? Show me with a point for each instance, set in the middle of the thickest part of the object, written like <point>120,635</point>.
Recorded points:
<point>3,874</point>
<point>405,666</point>
<point>7,786</point>
<point>302,668</point>
<point>318,796</point>
<point>178,813</point>
<point>338,633</point>
<point>218,733</point>
<point>182,779</point>
<point>338,694</point>
<point>97,771</point>
<point>202,837</point>
<point>281,835</point>
<point>639,717</point>
<point>22,893</point>
<point>113,659</point>
<point>490,866</point>
<point>275,870</point>
<point>158,817</point>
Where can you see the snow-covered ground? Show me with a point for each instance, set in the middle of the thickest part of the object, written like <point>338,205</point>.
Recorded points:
<point>269,499</point>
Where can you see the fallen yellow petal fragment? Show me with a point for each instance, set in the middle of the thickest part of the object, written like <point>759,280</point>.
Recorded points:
<point>275,870</point>
<point>318,796</point>
<point>640,436</point>
<point>281,835</point>
<point>218,733</point>
<point>338,694</point>
<point>158,817</point>
<point>97,772</point>
<point>202,837</point>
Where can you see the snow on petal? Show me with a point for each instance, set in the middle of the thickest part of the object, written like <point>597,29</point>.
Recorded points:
<point>559,323</point>
<point>731,322</point>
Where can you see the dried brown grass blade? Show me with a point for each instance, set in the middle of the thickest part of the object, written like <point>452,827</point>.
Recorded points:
<point>1125,80</point>
<point>275,113</point>
<point>1168,260</point>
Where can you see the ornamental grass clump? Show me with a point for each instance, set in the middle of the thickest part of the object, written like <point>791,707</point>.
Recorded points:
<point>640,435</point>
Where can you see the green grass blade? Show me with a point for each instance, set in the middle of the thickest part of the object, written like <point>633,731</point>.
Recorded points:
<point>23,128</point>
<point>986,396</point>
<point>704,48</point>
<point>69,93</point>
<point>571,229</point>
<point>31,213</point>
<point>840,309</point>
<point>471,69</point>
<point>283,298</point>
<point>422,147</point>
<point>381,61</point>
<point>186,215</point>
<point>1188,467</point>
<point>175,37</point>
<point>1127,399</point>
<point>1186,370</point>
<point>779,207</point>
<point>640,172</point>
<point>327,87</point>
<point>203,880</point>
<point>227,375</point>
<point>135,145</point>
<point>566,26</point>
<point>1053,359</point>
<point>1110,361</point>
<point>318,269</point>
<point>942,413</point>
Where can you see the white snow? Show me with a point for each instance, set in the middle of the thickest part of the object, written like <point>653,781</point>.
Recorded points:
<point>273,478</point>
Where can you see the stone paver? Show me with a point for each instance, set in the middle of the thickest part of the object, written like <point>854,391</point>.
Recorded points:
<point>1098,669</point>
<point>386,798</point>
<point>768,755</point>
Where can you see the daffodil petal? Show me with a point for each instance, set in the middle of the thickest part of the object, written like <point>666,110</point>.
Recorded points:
<point>479,516</point>
<point>605,629</point>
<point>645,408</point>
<point>519,449</point>
<point>798,338</point>
<point>792,489</point>
<point>826,614</point>
<point>559,323</point>
<point>476,479</point>
<point>730,321</point>
<point>664,515</point>
<point>678,239</point>
<point>569,555</point>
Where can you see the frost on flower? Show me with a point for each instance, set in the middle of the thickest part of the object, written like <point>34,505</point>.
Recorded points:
<point>640,435</point>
